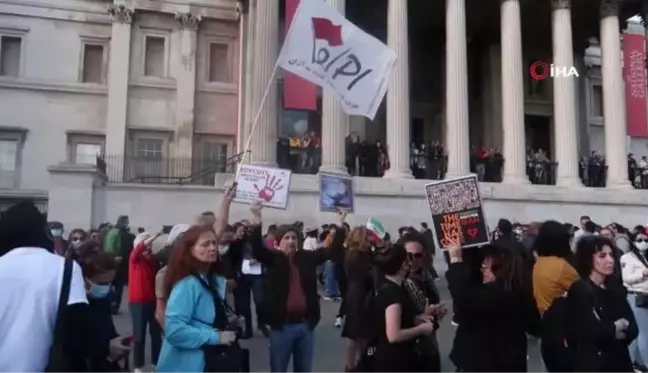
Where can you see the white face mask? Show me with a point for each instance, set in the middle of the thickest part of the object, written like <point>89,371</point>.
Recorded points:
<point>642,246</point>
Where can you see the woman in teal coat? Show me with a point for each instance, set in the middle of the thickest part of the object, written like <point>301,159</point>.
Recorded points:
<point>190,310</point>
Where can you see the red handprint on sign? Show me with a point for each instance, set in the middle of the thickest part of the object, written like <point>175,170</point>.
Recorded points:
<point>472,232</point>
<point>272,185</point>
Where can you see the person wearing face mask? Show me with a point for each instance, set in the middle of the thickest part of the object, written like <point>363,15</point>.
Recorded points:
<point>293,309</point>
<point>634,271</point>
<point>107,349</point>
<point>142,267</point>
<point>60,244</point>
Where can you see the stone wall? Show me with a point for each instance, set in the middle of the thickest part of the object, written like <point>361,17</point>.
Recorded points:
<point>80,198</point>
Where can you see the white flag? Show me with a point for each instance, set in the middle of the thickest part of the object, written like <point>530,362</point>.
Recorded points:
<point>326,49</point>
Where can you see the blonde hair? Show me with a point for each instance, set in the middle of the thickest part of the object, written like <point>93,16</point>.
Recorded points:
<point>358,239</point>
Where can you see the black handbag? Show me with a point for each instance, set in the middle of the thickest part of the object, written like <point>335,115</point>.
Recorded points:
<point>222,358</point>
<point>57,360</point>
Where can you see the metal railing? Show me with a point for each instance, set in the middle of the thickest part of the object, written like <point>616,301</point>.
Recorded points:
<point>164,170</point>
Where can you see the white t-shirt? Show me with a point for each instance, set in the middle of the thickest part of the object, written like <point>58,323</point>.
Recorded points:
<point>30,286</point>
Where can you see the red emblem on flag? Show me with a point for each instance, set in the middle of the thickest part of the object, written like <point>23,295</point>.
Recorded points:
<point>325,29</point>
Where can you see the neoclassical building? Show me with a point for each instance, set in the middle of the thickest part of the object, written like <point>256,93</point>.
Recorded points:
<point>462,77</point>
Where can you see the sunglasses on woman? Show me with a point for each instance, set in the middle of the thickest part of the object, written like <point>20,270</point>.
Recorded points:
<point>414,255</point>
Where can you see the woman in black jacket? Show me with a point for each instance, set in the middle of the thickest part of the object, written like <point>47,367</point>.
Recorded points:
<point>600,323</point>
<point>495,313</point>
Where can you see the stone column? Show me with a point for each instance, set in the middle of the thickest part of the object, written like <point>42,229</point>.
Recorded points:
<point>248,73</point>
<point>512,93</point>
<point>457,119</point>
<point>118,77</point>
<point>398,102</point>
<point>266,48</point>
<point>186,88</point>
<point>564,96</point>
<point>335,123</point>
<point>614,113</point>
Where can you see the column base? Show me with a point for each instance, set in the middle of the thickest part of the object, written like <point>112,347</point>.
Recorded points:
<point>569,182</point>
<point>453,175</point>
<point>264,164</point>
<point>334,169</point>
<point>516,179</point>
<point>395,174</point>
<point>618,184</point>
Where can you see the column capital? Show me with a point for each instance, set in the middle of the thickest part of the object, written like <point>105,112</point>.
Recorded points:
<point>121,13</point>
<point>610,8</point>
<point>188,21</point>
<point>560,4</point>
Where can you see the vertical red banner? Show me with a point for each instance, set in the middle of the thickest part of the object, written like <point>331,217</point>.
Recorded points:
<point>636,92</point>
<point>298,93</point>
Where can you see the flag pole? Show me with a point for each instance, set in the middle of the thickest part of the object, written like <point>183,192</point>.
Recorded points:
<point>246,149</point>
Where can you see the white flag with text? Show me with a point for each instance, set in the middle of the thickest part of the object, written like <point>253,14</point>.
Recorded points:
<point>326,49</point>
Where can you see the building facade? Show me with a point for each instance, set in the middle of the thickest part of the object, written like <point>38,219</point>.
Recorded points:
<point>462,78</point>
<point>143,84</point>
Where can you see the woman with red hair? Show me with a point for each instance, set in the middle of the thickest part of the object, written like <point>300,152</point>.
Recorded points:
<point>196,314</point>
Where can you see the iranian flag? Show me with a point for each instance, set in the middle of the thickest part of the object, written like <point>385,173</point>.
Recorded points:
<point>375,228</point>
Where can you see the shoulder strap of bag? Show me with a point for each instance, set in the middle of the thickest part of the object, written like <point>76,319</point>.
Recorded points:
<point>56,358</point>
<point>221,307</point>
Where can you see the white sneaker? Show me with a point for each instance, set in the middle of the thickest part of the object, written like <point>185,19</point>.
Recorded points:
<point>338,322</point>
<point>328,298</point>
<point>137,370</point>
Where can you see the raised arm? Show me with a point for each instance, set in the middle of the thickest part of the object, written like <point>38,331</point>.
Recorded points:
<point>335,250</point>
<point>224,210</point>
<point>259,249</point>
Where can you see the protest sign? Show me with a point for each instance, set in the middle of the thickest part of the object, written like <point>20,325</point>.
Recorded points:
<point>457,212</point>
<point>265,184</point>
<point>336,192</point>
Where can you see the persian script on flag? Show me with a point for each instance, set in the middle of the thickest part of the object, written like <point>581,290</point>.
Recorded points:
<point>328,50</point>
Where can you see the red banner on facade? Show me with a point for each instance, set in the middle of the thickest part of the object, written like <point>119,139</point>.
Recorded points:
<point>298,93</point>
<point>636,92</point>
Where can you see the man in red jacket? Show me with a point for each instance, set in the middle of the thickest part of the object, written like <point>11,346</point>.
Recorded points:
<point>142,267</point>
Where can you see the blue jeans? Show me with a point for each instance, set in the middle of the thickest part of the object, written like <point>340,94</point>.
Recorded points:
<point>143,314</point>
<point>330,280</point>
<point>292,339</point>
<point>639,347</point>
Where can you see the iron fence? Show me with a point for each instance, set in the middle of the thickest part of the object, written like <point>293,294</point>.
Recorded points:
<point>163,170</point>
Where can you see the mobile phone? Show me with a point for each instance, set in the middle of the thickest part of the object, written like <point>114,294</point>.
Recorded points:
<point>127,341</point>
<point>166,229</point>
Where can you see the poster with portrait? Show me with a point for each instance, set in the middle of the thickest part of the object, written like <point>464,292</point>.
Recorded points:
<point>336,192</point>
<point>266,184</point>
<point>457,212</point>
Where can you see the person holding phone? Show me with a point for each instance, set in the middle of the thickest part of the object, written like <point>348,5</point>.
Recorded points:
<point>399,322</point>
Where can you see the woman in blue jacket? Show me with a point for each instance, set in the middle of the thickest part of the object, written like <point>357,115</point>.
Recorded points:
<point>190,310</point>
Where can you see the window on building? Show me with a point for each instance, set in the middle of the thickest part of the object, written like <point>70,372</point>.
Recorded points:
<point>10,51</point>
<point>219,68</point>
<point>596,109</point>
<point>93,60</point>
<point>8,163</point>
<point>86,153</point>
<point>154,61</point>
<point>149,148</point>
<point>210,157</point>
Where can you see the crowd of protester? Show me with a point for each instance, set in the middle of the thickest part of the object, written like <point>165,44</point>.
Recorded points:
<point>582,290</point>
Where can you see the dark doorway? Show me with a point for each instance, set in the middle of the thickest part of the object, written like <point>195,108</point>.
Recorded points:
<point>417,131</point>
<point>538,133</point>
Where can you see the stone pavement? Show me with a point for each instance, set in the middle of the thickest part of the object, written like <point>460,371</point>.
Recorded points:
<point>329,354</point>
